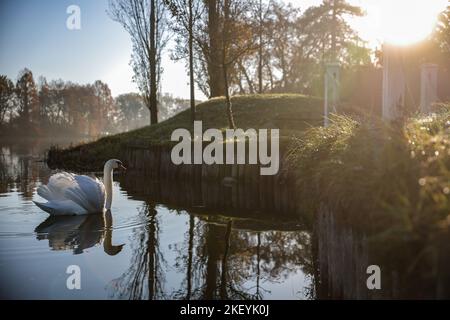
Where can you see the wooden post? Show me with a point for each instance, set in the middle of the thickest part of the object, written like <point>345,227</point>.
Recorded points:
<point>393,99</point>
<point>428,86</point>
<point>331,90</point>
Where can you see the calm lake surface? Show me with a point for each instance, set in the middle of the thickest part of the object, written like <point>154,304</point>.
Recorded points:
<point>144,249</point>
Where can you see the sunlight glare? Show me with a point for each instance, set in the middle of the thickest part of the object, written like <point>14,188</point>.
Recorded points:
<point>404,22</point>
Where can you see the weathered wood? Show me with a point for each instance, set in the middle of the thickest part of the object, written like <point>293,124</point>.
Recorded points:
<point>233,185</point>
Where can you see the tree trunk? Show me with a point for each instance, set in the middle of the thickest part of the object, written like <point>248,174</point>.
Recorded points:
<point>152,62</point>
<point>224,65</point>
<point>26,108</point>
<point>228,100</point>
<point>191,63</point>
<point>260,51</point>
<point>247,78</point>
<point>216,84</point>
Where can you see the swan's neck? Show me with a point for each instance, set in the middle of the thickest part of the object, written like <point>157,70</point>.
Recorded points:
<point>107,180</point>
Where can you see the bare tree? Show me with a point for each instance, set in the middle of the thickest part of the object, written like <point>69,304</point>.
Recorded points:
<point>146,22</point>
<point>237,40</point>
<point>191,59</point>
<point>262,11</point>
<point>186,13</point>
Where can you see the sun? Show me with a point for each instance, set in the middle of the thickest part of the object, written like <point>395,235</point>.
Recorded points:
<point>400,22</point>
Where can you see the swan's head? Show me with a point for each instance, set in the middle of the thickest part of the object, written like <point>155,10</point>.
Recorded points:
<point>114,164</point>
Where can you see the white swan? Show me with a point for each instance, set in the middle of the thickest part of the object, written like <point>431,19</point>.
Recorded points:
<point>73,194</point>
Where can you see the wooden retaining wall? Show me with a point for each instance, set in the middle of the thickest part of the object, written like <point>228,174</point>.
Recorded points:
<point>237,186</point>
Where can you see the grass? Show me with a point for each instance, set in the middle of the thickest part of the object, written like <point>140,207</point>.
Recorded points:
<point>369,166</point>
<point>390,182</point>
<point>291,113</point>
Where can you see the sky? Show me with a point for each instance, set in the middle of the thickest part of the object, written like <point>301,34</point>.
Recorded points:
<point>33,34</point>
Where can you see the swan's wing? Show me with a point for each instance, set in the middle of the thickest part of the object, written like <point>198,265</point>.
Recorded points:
<point>61,207</point>
<point>57,184</point>
<point>94,189</point>
<point>46,193</point>
<point>87,192</point>
<point>67,193</point>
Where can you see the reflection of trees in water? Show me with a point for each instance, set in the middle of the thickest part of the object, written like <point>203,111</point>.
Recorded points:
<point>20,167</point>
<point>145,277</point>
<point>5,179</point>
<point>21,164</point>
<point>18,171</point>
<point>27,178</point>
<point>217,260</point>
<point>187,264</point>
<point>226,263</point>
<point>201,258</point>
<point>260,257</point>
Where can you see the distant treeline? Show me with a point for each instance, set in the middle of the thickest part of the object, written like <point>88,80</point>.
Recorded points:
<point>65,108</point>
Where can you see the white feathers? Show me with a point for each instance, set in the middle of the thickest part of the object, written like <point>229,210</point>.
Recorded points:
<point>94,191</point>
<point>73,194</point>
<point>70,194</point>
<point>61,207</point>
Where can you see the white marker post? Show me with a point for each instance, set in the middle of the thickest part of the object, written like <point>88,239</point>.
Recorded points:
<point>428,86</point>
<point>393,99</point>
<point>331,90</point>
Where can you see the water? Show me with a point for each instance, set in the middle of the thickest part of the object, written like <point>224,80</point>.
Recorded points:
<point>145,249</point>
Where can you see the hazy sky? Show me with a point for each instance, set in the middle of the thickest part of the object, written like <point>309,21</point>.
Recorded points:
<point>33,34</point>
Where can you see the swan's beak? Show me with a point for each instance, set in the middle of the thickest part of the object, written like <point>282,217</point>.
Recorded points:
<point>122,167</point>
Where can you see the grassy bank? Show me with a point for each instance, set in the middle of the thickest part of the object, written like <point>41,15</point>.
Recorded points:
<point>398,174</point>
<point>390,183</point>
<point>291,113</point>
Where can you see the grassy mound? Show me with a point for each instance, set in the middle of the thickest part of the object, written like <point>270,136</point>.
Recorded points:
<point>291,113</point>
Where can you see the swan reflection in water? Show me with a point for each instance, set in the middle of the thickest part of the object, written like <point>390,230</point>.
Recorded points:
<point>78,232</point>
